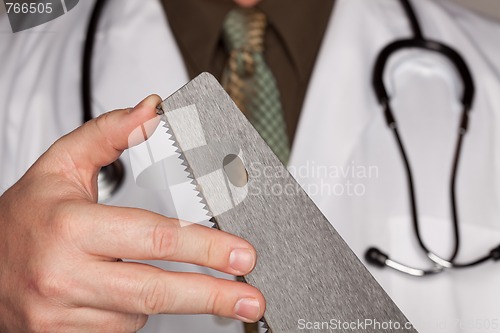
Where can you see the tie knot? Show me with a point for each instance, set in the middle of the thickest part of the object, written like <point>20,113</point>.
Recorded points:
<point>244,29</point>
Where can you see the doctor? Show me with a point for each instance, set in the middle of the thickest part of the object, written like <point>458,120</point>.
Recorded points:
<point>341,129</point>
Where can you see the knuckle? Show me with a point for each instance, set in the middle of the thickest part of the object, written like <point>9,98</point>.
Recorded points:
<point>49,286</point>
<point>154,297</point>
<point>213,301</point>
<point>211,252</point>
<point>46,285</point>
<point>102,123</point>
<point>164,241</point>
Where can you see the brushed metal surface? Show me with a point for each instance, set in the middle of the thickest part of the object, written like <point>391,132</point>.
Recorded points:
<point>305,270</point>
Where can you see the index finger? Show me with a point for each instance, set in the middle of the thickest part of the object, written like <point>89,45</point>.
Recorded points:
<point>138,234</point>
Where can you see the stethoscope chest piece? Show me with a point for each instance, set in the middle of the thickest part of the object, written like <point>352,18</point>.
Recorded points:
<point>109,180</point>
<point>373,255</point>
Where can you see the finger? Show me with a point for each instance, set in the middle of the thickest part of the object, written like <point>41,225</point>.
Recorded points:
<point>138,288</point>
<point>96,320</point>
<point>100,141</point>
<point>110,321</point>
<point>138,234</point>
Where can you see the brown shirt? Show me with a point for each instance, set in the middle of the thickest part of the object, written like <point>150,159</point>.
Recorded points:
<point>293,39</point>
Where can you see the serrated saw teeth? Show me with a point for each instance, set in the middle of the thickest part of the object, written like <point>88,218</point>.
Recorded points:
<point>178,148</point>
<point>264,326</point>
<point>188,170</point>
<point>215,224</point>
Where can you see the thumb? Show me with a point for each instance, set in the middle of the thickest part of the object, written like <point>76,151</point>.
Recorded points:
<point>101,141</point>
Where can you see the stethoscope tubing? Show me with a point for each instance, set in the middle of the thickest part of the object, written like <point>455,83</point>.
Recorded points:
<point>111,177</point>
<point>373,255</point>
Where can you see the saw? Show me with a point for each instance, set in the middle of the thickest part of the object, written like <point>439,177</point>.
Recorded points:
<point>311,279</point>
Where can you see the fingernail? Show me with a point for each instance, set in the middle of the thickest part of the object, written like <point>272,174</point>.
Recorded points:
<point>247,309</point>
<point>242,260</point>
<point>152,99</point>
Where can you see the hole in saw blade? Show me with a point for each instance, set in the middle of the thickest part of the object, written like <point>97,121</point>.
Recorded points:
<point>235,170</point>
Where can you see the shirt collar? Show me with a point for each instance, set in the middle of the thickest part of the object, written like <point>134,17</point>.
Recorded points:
<point>206,16</point>
<point>299,27</point>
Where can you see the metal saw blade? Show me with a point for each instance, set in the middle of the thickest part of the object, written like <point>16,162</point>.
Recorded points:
<point>305,270</point>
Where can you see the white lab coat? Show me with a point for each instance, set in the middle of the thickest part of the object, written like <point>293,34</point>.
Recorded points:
<point>363,193</point>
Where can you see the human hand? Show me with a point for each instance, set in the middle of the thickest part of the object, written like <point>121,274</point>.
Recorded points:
<point>59,248</point>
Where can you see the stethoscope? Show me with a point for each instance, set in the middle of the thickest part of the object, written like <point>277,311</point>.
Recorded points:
<point>373,255</point>
<point>111,177</point>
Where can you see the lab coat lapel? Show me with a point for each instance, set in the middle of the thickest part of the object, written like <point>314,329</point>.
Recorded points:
<point>341,122</point>
<point>339,103</point>
<point>139,65</point>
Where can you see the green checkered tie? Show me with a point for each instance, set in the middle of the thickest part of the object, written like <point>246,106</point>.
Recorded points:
<point>249,81</point>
